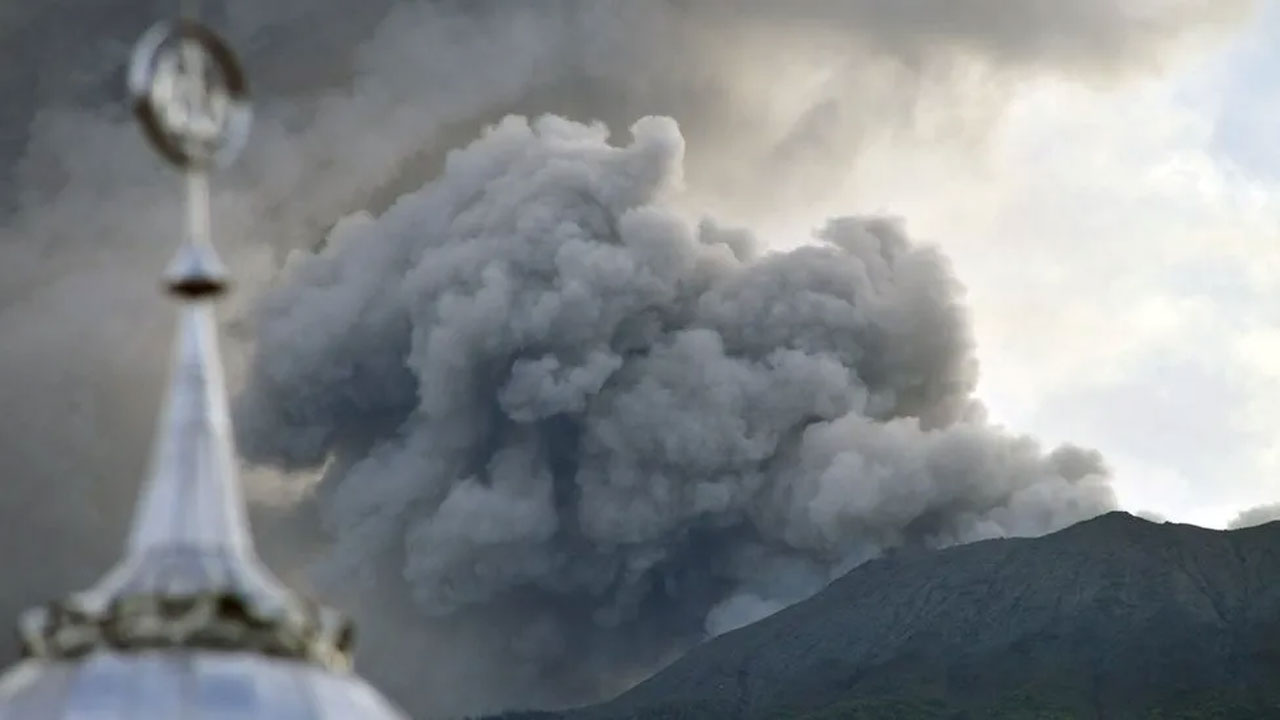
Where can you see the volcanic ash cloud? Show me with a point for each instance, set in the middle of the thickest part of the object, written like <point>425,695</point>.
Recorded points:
<point>537,391</point>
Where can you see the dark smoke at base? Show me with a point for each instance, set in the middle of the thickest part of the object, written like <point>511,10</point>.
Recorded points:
<point>551,408</point>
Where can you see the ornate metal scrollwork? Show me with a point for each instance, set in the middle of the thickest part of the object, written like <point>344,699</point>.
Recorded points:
<point>210,621</point>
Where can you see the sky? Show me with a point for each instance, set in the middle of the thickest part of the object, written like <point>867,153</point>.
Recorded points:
<point>1116,237</point>
<point>1119,246</point>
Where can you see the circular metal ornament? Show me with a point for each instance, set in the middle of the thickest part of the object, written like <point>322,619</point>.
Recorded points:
<point>190,95</point>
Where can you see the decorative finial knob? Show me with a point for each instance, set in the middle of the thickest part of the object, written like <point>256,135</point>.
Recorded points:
<point>190,95</point>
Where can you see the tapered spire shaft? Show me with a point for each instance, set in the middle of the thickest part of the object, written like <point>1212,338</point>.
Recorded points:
<point>192,497</point>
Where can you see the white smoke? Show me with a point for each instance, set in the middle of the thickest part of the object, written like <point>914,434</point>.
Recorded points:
<point>548,395</point>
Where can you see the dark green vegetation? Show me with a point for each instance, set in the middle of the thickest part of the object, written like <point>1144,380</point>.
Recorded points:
<point>1116,617</point>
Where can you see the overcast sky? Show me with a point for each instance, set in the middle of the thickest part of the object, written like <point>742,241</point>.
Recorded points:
<point>1120,250</point>
<point>1118,241</point>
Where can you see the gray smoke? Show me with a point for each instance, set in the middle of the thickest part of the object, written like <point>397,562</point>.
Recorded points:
<point>1254,516</point>
<point>358,102</point>
<point>542,394</point>
<point>776,100</point>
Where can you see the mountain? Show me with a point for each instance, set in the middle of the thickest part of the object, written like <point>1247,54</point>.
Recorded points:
<point>1116,617</point>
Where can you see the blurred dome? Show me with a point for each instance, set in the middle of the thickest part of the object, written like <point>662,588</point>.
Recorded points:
<point>168,685</point>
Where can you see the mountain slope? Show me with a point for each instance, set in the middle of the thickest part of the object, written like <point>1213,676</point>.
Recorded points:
<point>1116,617</point>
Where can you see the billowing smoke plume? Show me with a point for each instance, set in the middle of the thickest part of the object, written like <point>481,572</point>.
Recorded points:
<point>540,391</point>
<point>1254,516</point>
<point>357,102</point>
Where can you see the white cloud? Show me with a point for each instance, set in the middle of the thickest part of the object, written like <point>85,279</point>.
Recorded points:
<point>1123,273</point>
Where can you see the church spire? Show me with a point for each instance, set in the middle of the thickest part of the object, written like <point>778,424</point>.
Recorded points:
<point>189,624</point>
<point>190,578</point>
<point>189,96</point>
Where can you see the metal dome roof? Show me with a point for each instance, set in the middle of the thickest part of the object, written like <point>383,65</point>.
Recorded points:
<point>190,624</point>
<point>166,685</point>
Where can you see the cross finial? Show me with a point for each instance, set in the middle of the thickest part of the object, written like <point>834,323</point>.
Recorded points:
<point>189,94</point>
<point>190,97</point>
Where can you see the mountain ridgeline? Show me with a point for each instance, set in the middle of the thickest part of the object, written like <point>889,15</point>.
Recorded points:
<point>1116,617</point>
